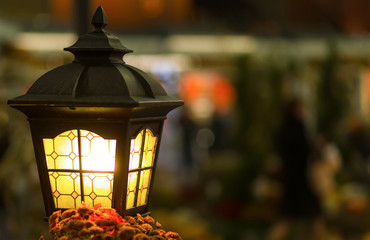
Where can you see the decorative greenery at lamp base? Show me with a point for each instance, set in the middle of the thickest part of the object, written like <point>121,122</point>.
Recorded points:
<point>100,223</point>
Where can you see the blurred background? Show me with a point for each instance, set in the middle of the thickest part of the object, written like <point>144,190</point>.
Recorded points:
<point>222,170</point>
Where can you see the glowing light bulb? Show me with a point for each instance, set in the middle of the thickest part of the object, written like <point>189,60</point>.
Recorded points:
<point>98,154</point>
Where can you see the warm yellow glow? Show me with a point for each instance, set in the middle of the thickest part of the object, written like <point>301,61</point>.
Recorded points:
<point>97,154</point>
<point>149,149</point>
<point>98,188</point>
<point>135,151</point>
<point>62,151</point>
<point>66,189</point>
<point>144,187</point>
<point>131,190</point>
<point>141,161</point>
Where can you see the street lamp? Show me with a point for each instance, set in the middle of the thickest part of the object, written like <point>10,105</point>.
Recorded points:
<point>96,126</point>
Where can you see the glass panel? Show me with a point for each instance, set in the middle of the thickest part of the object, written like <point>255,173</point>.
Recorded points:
<point>50,162</point>
<point>65,187</point>
<point>97,153</point>
<point>149,149</point>
<point>105,202</point>
<point>48,146</point>
<point>88,183</point>
<point>52,177</point>
<point>142,156</point>
<point>63,162</point>
<point>144,187</point>
<point>131,189</point>
<point>98,188</point>
<point>101,185</point>
<point>65,201</point>
<point>62,145</point>
<point>62,151</point>
<point>135,151</point>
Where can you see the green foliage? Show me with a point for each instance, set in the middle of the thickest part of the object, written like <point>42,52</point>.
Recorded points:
<point>258,107</point>
<point>258,104</point>
<point>332,101</point>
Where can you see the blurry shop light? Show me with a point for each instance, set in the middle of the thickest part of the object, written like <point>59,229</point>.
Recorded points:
<point>206,93</point>
<point>167,68</point>
<point>364,95</point>
<point>205,138</point>
<point>235,44</point>
<point>8,32</point>
<point>96,126</point>
<point>161,62</point>
<point>34,41</point>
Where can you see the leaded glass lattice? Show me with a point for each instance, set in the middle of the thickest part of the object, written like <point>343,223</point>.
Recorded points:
<point>81,168</point>
<point>65,188</point>
<point>142,154</point>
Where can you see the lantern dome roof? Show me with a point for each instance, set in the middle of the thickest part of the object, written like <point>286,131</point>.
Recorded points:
<point>98,77</point>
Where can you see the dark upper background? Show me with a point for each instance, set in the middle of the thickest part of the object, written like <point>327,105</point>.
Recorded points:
<point>271,18</point>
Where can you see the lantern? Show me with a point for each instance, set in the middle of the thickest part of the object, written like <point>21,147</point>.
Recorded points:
<point>96,126</point>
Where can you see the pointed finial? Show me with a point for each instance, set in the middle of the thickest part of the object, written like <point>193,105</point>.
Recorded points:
<point>99,19</point>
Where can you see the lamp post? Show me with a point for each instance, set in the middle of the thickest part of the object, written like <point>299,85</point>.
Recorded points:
<point>96,126</point>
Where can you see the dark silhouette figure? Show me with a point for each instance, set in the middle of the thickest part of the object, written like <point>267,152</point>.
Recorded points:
<point>299,200</point>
